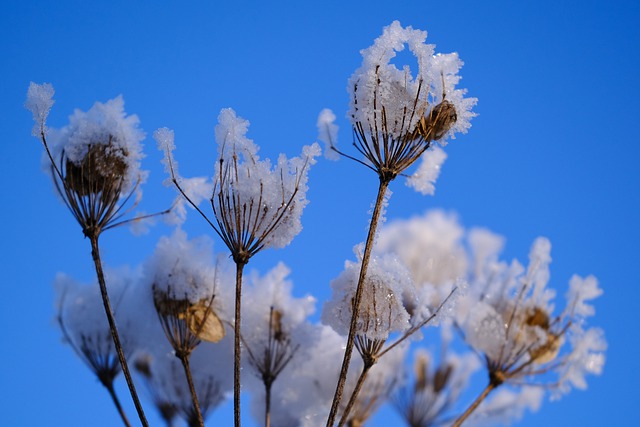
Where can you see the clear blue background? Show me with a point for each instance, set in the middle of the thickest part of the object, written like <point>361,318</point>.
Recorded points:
<point>553,152</point>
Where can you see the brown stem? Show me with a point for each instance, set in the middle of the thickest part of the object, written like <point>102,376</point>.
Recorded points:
<point>95,253</point>
<point>490,387</point>
<point>192,389</point>
<point>354,394</point>
<point>116,401</point>
<point>267,405</point>
<point>236,346</point>
<point>384,183</point>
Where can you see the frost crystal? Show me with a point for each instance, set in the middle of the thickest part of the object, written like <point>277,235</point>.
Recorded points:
<point>328,133</point>
<point>256,204</point>
<point>105,137</point>
<point>382,310</point>
<point>425,176</point>
<point>39,102</point>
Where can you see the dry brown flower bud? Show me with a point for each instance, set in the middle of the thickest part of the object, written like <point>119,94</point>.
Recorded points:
<point>102,169</point>
<point>439,120</point>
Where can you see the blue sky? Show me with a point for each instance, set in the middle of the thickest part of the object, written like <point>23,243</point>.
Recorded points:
<point>553,152</point>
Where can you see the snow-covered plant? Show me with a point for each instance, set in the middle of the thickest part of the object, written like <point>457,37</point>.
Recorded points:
<point>396,114</point>
<point>513,325</point>
<point>94,163</point>
<point>429,399</point>
<point>274,330</point>
<point>255,204</point>
<point>83,326</point>
<point>178,311</point>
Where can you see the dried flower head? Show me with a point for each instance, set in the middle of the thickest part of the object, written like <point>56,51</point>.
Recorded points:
<point>94,161</point>
<point>84,328</point>
<point>387,286</point>
<point>396,114</point>
<point>435,388</point>
<point>513,326</point>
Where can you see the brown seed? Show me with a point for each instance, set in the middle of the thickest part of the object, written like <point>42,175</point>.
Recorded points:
<point>434,125</point>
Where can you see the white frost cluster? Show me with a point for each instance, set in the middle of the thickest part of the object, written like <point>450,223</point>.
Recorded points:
<point>424,178</point>
<point>103,124</point>
<point>511,320</point>
<point>271,198</point>
<point>406,95</point>
<point>39,102</point>
<point>82,317</point>
<point>388,287</point>
<point>328,133</point>
<point>184,269</point>
<point>429,245</point>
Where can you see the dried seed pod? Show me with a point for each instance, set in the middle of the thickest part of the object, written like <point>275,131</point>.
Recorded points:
<point>101,170</point>
<point>204,322</point>
<point>276,325</point>
<point>437,122</point>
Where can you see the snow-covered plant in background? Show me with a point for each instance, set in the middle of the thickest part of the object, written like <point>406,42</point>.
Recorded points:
<point>255,205</point>
<point>181,312</point>
<point>396,114</point>
<point>80,317</point>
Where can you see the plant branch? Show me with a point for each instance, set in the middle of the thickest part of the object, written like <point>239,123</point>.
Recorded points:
<point>384,183</point>
<point>95,253</point>
<point>192,389</point>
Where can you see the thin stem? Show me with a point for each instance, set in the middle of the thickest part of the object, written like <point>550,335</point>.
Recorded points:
<point>116,402</point>
<point>236,345</point>
<point>95,253</point>
<point>354,394</point>
<point>267,405</point>
<point>384,183</point>
<point>488,389</point>
<point>192,389</point>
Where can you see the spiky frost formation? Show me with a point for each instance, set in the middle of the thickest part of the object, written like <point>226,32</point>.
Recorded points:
<point>387,289</point>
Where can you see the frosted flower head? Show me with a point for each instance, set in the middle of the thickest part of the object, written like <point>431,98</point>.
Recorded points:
<point>511,322</point>
<point>100,147</point>
<point>256,204</point>
<point>80,316</point>
<point>435,388</point>
<point>274,323</point>
<point>183,283</point>
<point>94,160</point>
<point>397,113</point>
<point>382,310</point>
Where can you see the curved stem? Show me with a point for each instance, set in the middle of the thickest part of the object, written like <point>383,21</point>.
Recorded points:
<point>116,401</point>
<point>354,394</point>
<point>236,346</point>
<point>192,389</point>
<point>384,183</point>
<point>95,253</point>
<point>488,389</point>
